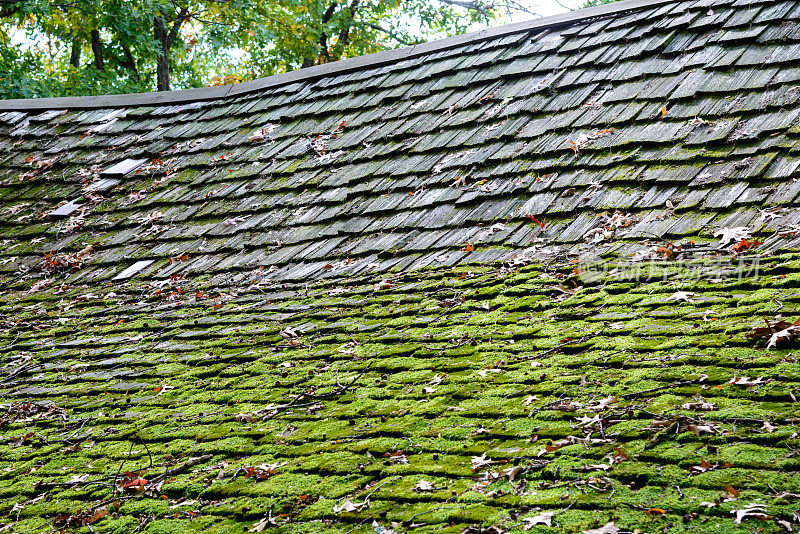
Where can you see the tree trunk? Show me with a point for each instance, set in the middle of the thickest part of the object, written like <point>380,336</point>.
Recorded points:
<point>166,38</point>
<point>97,50</point>
<point>162,60</point>
<point>75,54</point>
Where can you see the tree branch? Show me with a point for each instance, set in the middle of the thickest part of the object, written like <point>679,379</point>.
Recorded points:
<point>474,5</point>
<point>323,37</point>
<point>129,62</point>
<point>390,33</point>
<point>176,26</point>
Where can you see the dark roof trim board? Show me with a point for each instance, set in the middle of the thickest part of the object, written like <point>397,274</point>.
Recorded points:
<point>185,96</point>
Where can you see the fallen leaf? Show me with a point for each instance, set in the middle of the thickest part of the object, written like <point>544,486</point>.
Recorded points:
<point>424,485</point>
<point>544,518</point>
<point>133,484</point>
<point>437,379</point>
<point>348,506</point>
<point>608,528</point>
<point>682,295</point>
<point>702,468</point>
<point>736,234</point>
<point>701,406</point>
<point>746,381</point>
<point>163,388</point>
<point>79,519</point>
<point>478,462</point>
<point>602,404</point>
<point>768,427</point>
<point>383,284</point>
<point>744,245</point>
<point>699,429</point>
<point>776,332</point>
<point>537,221</point>
<point>511,472</point>
<point>757,511</point>
<point>264,523</point>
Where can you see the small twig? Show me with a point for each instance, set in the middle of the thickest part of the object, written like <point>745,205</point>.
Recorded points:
<point>147,449</point>
<point>659,388</point>
<point>114,488</point>
<point>355,527</point>
<point>457,345</point>
<point>142,523</point>
<point>638,507</point>
<point>181,468</point>
<point>381,484</point>
<point>562,345</point>
<point>408,521</point>
<point>9,344</point>
<point>17,371</point>
<point>79,428</point>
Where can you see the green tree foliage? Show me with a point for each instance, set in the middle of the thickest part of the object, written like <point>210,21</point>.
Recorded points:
<point>62,48</point>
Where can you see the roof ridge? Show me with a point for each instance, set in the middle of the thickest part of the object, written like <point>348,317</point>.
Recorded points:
<point>378,59</point>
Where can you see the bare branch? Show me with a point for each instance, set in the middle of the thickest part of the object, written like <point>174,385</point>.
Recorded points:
<point>474,5</point>
<point>565,7</point>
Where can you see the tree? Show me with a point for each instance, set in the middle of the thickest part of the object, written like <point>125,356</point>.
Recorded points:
<point>141,45</point>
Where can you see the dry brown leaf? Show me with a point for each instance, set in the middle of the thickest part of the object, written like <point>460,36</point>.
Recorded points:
<point>608,528</point>
<point>544,518</point>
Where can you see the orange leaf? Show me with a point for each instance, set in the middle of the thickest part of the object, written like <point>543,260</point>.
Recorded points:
<point>744,244</point>
<point>664,111</point>
<point>537,221</point>
<point>469,248</point>
<point>655,511</point>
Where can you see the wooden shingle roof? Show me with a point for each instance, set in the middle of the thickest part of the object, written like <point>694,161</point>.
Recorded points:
<point>539,277</point>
